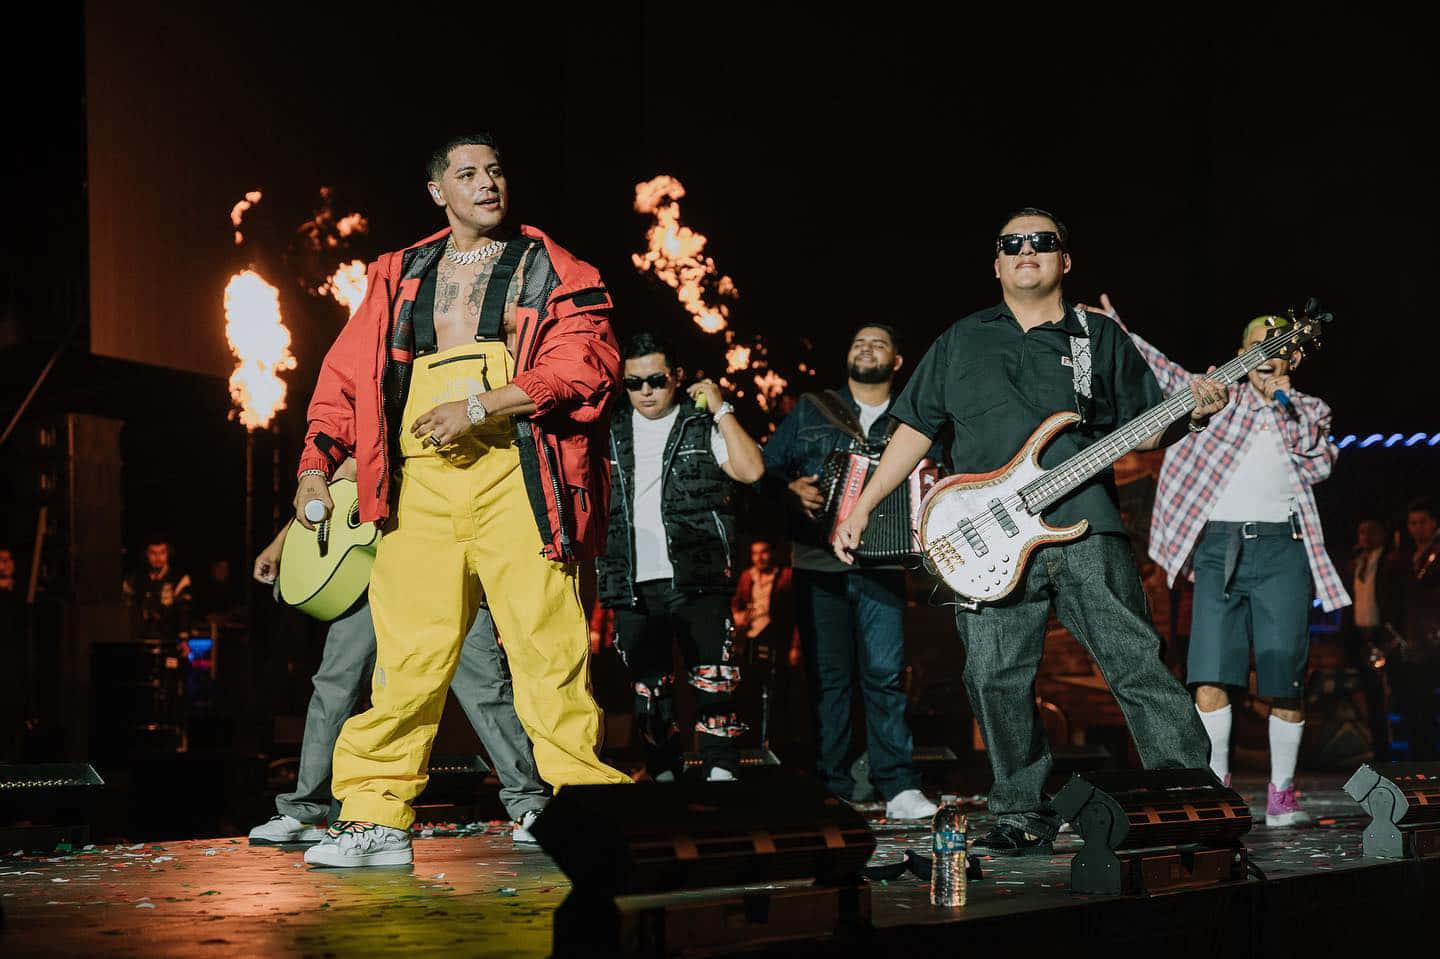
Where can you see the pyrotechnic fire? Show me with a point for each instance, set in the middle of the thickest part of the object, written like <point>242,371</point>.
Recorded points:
<point>769,385</point>
<point>676,255</point>
<point>237,213</point>
<point>261,343</point>
<point>346,284</point>
<point>325,230</point>
<point>737,358</point>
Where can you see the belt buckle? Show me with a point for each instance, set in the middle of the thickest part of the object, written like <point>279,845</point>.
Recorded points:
<point>1248,531</point>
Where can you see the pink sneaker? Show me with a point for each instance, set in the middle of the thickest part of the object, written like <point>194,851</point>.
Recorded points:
<point>1281,808</point>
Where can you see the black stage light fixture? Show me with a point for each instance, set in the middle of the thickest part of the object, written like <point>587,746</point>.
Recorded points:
<point>644,841</point>
<point>45,804</point>
<point>1403,800</point>
<point>1146,831</point>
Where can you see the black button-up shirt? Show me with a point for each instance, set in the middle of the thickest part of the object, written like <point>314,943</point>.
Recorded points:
<point>995,383</point>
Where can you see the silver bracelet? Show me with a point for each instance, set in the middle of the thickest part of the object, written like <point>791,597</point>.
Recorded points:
<point>315,472</point>
<point>725,410</point>
<point>1200,428</point>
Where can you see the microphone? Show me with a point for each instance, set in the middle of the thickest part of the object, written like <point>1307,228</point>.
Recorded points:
<point>1283,399</point>
<point>315,509</point>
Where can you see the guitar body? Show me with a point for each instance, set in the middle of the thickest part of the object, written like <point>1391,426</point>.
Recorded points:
<point>323,575</point>
<point>976,531</point>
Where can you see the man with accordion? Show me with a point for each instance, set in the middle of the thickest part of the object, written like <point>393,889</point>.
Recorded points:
<point>851,618</point>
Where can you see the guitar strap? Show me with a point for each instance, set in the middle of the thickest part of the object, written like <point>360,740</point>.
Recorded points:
<point>1080,356</point>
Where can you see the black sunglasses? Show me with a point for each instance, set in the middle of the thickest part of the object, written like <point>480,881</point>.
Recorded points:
<point>1012,243</point>
<point>636,383</point>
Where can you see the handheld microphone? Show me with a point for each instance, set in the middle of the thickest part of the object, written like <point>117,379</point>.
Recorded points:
<point>315,511</point>
<point>1283,399</point>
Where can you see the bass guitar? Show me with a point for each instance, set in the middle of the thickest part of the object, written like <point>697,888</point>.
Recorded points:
<point>324,570</point>
<point>977,530</point>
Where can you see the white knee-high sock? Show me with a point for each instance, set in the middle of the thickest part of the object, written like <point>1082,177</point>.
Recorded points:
<point>1284,751</point>
<point>1217,724</point>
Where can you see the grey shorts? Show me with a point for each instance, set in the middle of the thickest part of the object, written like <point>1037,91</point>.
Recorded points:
<point>1264,605</point>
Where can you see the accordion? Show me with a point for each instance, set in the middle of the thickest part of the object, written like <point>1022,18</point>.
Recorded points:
<point>893,531</point>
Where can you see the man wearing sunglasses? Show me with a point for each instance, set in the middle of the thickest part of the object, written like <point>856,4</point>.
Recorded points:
<point>1235,510</point>
<point>669,570</point>
<point>993,377</point>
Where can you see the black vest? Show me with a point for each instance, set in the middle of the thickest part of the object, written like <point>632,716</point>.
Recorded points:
<point>697,506</point>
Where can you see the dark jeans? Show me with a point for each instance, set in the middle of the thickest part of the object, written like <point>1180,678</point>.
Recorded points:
<point>852,627</point>
<point>1097,595</point>
<point>646,636</point>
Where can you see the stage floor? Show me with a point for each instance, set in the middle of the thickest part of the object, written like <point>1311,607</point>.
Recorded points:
<point>480,895</point>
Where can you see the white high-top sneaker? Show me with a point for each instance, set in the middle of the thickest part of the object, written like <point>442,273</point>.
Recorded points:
<point>349,844</point>
<point>521,832</point>
<point>281,830</point>
<point>910,804</point>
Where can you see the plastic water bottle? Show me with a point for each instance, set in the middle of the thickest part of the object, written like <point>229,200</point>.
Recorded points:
<point>947,867</point>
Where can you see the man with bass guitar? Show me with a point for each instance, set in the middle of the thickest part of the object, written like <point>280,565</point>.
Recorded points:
<point>995,376</point>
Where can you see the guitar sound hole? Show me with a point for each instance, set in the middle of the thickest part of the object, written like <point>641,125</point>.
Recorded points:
<point>353,519</point>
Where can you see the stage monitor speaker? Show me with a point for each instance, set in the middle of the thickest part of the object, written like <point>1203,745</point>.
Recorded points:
<point>454,780</point>
<point>642,841</point>
<point>1403,800</point>
<point>1150,830</point>
<point>750,760</point>
<point>660,837</point>
<point>43,805</point>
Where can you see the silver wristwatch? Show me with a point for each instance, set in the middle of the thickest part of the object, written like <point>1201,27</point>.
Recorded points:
<point>475,409</point>
<point>725,410</point>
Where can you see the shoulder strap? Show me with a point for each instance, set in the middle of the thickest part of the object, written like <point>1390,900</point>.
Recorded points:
<point>423,313</point>
<point>1080,356</point>
<point>492,308</point>
<point>838,412</point>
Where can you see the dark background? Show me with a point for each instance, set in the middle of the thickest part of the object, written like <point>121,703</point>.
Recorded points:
<point>846,168</point>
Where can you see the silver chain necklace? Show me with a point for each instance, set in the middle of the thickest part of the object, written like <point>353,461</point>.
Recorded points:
<point>472,256</point>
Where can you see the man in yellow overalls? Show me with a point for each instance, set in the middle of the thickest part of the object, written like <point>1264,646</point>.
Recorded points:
<point>481,366</point>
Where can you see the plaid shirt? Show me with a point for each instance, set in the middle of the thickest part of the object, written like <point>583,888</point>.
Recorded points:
<point>1195,471</point>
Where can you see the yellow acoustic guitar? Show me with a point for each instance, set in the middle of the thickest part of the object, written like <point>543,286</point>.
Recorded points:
<point>325,570</point>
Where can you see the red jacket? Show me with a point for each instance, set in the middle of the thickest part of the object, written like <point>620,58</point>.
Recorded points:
<point>567,361</point>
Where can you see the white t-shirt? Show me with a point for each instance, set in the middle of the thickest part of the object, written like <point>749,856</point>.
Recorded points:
<point>1259,488</point>
<point>652,557</point>
<point>869,414</point>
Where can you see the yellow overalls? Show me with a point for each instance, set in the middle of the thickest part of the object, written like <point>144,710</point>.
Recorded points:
<point>463,524</point>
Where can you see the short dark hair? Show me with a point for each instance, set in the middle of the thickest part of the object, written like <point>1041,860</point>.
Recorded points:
<point>1060,227</point>
<point>643,344</point>
<point>440,159</point>
<point>890,331</point>
<point>1424,504</point>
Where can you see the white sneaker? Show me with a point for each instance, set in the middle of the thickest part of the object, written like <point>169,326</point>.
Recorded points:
<point>521,832</point>
<point>361,844</point>
<point>718,775</point>
<point>285,829</point>
<point>910,804</point>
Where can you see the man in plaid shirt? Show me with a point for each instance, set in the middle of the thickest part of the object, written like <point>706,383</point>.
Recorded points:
<point>1234,510</point>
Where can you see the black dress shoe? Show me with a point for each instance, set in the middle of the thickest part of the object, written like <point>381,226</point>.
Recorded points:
<point>1007,840</point>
